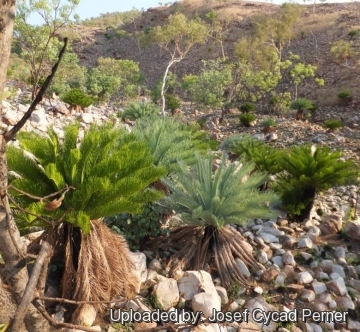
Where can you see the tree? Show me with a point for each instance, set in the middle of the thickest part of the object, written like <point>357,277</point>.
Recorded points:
<point>208,201</point>
<point>12,249</point>
<point>177,37</point>
<point>342,50</point>
<point>106,175</point>
<point>39,44</point>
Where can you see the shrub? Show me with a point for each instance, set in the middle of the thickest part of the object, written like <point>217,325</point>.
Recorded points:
<point>135,110</point>
<point>268,123</point>
<point>345,96</point>
<point>332,124</point>
<point>301,105</point>
<point>280,102</point>
<point>246,119</point>
<point>353,33</point>
<point>172,102</point>
<point>247,108</point>
<point>137,228</point>
<point>76,98</point>
<point>308,170</point>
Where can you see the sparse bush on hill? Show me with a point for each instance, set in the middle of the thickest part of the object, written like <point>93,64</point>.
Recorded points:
<point>77,98</point>
<point>247,108</point>
<point>345,96</point>
<point>247,119</point>
<point>342,51</point>
<point>301,105</point>
<point>332,124</point>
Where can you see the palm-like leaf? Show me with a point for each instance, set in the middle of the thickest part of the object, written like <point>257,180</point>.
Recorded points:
<point>110,172</point>
<point>170,141</point>
<point>228,195</point>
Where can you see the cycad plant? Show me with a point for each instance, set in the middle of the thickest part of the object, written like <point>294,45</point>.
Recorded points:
<point>107,173</point>
<point>134,110</point>
<point>308,170</point>
<point>171,140</point>
<point>208,202</point>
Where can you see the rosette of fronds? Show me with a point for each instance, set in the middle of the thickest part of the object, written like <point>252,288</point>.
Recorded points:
<point>265,157</point>
<point>308,170</point>
<point>107,173</point>
<point>209,200</point>
<point>134,110</point>
<point>171,140</point>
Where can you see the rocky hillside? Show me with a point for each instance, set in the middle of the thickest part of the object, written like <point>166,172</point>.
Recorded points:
<point>313,36</point>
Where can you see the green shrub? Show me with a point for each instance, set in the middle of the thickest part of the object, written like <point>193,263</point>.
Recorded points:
<point>247,108</point>
<point>353,33</point>
<point>75,97</point>
<point>301,105</point>
<point>246,119</point>
<point>172,102</point>
<point>137,228</point>
<point>135,110</point>
<point>280,102</point>
<point>344,94</point>
<point>332,124</point>
<point>268,123</point>
<point>308,170</point>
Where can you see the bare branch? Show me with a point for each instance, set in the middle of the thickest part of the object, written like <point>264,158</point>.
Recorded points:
<point>30,288</point>
<point>11,134</point>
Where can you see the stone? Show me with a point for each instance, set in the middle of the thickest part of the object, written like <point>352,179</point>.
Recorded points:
<point>344,303</point>
<point>304,278</point>
<point>354,284</point>
<point>243,268</point>
<point>288,258</point>
<point>261,304</point>
<point>206,303</point>
<point>331,224</point>
<point>337,286</point>
<point>278,261</point>
<point>280,279</point>
<point>223,294</point>
<point>319,287</point>
<point>86,118</point>
<point>167,292</point>
<point>340,252</point>
<point>193,282</point>
<point>327,265</point>
<point>316,327</point>
<point>287,241</point>
<point>269,238</point>
<point>10,117</point>
<point>262,256</point>
<point>352,229</point>
<point>270,274</point>
<point>258,290</point>
<point>305,242</point>
<point>85,315</point>
<point>307,295</point>
<point>339,270</point>
<point>139,326</point>
<point>155,265</point>
<point>139,260</point>
<point>248,327</point>
<point>353,325</point>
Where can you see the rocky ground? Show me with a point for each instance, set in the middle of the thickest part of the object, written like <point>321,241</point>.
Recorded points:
<point>310,265</point>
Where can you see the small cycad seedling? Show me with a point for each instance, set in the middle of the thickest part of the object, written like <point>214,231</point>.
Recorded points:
<point>77,99</point>
<point>301,105</point>
<point>247,119</point>
<point>332,124</point>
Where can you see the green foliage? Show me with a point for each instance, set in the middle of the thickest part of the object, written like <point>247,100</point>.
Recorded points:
<point>113,76</point>
<point>208,88</point>
<point>332,124</point>
<point>268,123</point>
<point>170,140</point>
<point>250,149</point>
<point>134,110</point>
<point>136,228</point>
<point>75,97</point>
<point>172,102</point>
<point>247,108</point>
<point>280,102</point>
<point>109,172</point>
<point>307,171</point>
<point>171,84</point>
<point>226,196</point>
<point>341,50</point>
<point>4,95</point>
<point>113,19</point>
<point>301,104</point>
<point>247,119</point>
<point>353,33</point>
<point>344,95</point>
<point>38,44</point>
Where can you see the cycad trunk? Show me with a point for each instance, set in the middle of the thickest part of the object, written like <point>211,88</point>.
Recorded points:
<point>308,195</point>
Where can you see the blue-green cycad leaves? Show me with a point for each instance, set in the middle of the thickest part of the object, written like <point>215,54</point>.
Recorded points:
<point>170,140</point>
<point>110,171</point>
<point>227,196</point>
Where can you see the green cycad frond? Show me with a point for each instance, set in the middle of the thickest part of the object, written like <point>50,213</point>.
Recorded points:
<point>134,111</point>
<point>249,148</point>
<point>309,170</point>
<point>170,141</point>
<point>228,195</point>
<point>110,172</point>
